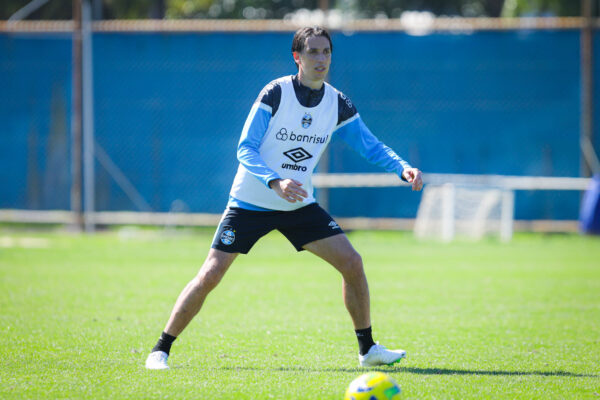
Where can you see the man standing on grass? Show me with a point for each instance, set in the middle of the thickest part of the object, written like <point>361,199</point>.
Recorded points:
<point>287,130</point>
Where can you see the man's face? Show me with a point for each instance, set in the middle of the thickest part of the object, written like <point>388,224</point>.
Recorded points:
<point>313,62</point>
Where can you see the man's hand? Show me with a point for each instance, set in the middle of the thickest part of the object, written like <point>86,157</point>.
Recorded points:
<point>288,189</point>
<point>414,176</point>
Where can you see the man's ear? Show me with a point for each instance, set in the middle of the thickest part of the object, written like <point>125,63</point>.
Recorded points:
<point>296,56</point>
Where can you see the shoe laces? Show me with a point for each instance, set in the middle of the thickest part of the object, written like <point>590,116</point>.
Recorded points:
<point>160,356</point>
<point>379,347</point>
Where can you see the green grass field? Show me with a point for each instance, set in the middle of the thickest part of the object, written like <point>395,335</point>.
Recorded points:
<point>78,315</point>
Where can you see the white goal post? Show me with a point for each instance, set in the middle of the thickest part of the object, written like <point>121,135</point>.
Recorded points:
<point>471,206</point>
<point>448,211</point>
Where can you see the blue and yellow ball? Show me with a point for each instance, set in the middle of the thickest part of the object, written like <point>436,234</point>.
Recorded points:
<point>373,386</point>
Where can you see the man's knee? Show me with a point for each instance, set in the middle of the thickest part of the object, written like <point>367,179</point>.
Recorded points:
<point>355,260</point>
<point>210,274</point>
<point>352,264</point>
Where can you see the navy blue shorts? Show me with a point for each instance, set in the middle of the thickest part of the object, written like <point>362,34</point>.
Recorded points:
<point>239,228</point>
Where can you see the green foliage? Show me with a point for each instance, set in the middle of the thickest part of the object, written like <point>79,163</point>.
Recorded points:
<point>486,320</point>
<point>53,9</point>
<point>464,8</point>
<point>255,9</point>
<point>520,8</point>
<point>235,9</point>
<point>130,9</point>
<point>187,8</point>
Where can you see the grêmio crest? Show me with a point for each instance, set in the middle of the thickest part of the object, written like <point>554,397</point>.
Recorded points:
<point>306,120</point>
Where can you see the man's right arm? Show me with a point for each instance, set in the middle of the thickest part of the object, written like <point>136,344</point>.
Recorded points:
<point>254,130</point>
<point>248,152</point>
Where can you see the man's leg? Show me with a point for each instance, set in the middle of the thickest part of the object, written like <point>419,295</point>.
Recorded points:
<point>338,251</point>
<point>193,295</point>
<point>189,303</point>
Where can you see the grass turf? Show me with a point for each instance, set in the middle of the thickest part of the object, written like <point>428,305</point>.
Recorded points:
<point>78,315</point>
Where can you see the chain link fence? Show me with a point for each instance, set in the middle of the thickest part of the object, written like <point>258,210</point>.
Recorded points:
<point>169,108</point>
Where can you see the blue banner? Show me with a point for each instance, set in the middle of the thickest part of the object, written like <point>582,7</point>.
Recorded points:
<point>169,109</point>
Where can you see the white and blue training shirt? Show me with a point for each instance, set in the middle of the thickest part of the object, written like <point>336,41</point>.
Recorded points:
<point>285,134</point>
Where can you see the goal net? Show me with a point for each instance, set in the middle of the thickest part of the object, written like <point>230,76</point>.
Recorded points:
<point>448,211</point>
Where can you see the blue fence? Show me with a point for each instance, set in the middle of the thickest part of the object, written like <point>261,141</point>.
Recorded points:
<point>169,108</point>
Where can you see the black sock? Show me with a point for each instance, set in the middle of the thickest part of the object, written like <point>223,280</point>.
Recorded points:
<point>164,343</point>
<point>365,340</point>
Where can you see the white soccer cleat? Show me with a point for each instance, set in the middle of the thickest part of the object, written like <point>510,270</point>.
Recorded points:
<point>379,355</point>
<point>157,360</point>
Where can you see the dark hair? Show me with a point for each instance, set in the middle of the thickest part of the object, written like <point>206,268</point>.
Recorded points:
<point>304,33</point>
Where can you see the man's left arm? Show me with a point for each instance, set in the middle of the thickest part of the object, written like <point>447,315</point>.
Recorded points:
<point>358,136</point>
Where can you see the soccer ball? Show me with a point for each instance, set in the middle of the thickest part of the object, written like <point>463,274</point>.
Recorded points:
<point>373,386</point>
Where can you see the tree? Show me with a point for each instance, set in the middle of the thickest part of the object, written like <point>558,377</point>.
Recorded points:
<point>462,8</point>
<point>260,9</point>
<point>562,8</point>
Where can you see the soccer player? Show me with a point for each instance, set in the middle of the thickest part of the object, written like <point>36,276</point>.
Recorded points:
<point>287,130</point>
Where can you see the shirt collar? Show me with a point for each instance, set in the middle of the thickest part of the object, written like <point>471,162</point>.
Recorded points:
<point>299,86</point>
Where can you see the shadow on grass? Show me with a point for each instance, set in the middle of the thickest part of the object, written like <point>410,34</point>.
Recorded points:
<point>414,370</point>
<point>445,371</point>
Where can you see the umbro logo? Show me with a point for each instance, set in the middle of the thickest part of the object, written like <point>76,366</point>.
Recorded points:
<point>298,154</point>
